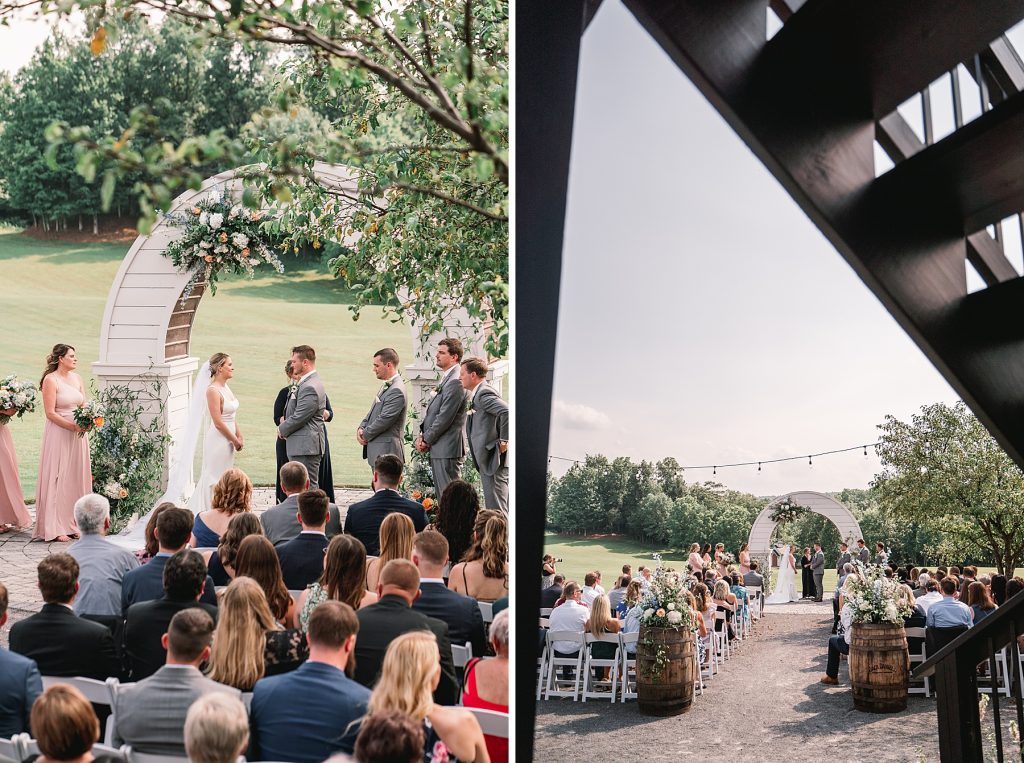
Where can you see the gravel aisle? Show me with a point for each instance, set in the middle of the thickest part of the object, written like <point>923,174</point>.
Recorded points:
<point>766,704</point>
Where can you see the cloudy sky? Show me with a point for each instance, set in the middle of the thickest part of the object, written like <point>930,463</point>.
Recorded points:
<point>703,316</point>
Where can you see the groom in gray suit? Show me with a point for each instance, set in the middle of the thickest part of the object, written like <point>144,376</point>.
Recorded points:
<point>382,430</point>
<point>442,433</point>
<point>487,427</point>
<point>818,571</point>
<point>302,428</point>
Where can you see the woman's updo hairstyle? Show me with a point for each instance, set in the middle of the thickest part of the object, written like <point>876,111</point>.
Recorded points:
<point>53,360</point>
<point>216,361</point>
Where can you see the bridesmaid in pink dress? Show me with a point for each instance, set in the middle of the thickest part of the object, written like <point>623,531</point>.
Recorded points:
<point>65,472</point>
<point>12,499</point>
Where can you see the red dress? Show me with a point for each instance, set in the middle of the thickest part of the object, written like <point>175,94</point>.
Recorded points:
<point>497,747</point>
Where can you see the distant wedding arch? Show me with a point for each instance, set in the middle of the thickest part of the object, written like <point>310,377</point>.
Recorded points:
<point>147,329</point>
<point>828,507</point>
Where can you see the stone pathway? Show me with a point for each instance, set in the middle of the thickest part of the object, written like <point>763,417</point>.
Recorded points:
<point>766,704</point>
<point>19,557</point>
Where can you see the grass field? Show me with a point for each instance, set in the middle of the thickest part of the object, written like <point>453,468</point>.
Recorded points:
<point>609,552</point>
<point>56,292</point>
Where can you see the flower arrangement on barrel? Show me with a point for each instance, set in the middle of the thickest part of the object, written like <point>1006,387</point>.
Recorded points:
<point>873,598</point>
<point>219,234</point>
<point>16,395</point>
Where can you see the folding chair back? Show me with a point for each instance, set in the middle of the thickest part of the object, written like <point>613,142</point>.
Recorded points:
<point>461,654</point>
<point>492,722</point>
<point>95,691</point>
<point>590,662</point>
<point>628,663</point>
<point>572,663</point>
<point>486,610</point>
<point>917,657</point>
<point>10,750</point>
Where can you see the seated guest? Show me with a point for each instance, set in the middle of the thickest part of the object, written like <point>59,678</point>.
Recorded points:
<point>173,528</point>
<point>600,622</point>
<point>364,518</point>
<point>220,562</point>
<point>838,645</point>
<point>343,579</point>
<point>998,589</point>
<point>60,642</point>
<point>152,546</point>
<point>257,559</point>
<point>552,593</point>
<point>486,684</point>
<point>931,595</point>
<point>736,589</point>
<point>1014,586</point>
<point>970,575</point>
<point>590,591</point>
<point>302,558</point>
<point>948,612</point>
<point>410,673</point>
<point>231,495</point>
<point>306,715</point>
<point>150,713</point>
<point>101,565</point>
<point>396,535</point>
<point>954,570</point>
<point>185,579</point>
<point>279,522</point>
<point>66,726</point>
<point>725,601</point>
<point>571,615</point>
<point>706,609</point>
<point>465,623</point>
<point>390,737</point>
<point>499,605</point>
<point>634,592</point>
<point>456,513</point>
<point>20,687</point>
<point>916,619</point>
<point>980,601</point>
<point>216,729</point>
<point>383,622</point>
<point>249,643</point>
<point>922,581</point>
<point>618,594</point>
<point>846,570</point>
<point>483,571</point>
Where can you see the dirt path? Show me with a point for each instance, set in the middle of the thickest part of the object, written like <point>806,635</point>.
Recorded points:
<point>766,704</point>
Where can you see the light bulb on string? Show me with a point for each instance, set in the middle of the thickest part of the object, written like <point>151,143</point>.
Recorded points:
<point>865,451</point>
<point>714,470</point>
<point>809,461</point>
<point>759,466</point>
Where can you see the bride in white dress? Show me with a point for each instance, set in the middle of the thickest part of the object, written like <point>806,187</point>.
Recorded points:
<point>785,586</point>
<point>223,437</point>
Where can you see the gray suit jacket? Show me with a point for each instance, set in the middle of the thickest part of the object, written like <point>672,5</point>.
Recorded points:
<point>444,423</point>
<point>864,555</point>
<point>150,715</point>
<point>843,559</point>
<point>818,563</point>
<point>486,424</point>
<point>280,525</point>
<point>384,426</point>
<point>302,427</point>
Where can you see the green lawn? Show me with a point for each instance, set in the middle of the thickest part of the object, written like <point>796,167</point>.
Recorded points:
<point>55,292</point>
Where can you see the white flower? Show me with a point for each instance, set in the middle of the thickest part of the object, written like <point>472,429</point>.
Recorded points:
<point>216,219</point>
<point>220,248</point>
<point>671,605</point>
<point>240,240</point>
<point>648,612</point>
<point>205,244</point>
<point>675,617</point>
<point>233,213</point>
<point>204,217</point>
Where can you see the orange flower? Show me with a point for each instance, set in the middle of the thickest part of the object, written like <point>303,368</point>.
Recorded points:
<point>257,215</point>
<point>245,252</point>
<point>660,613</point>
<point>223,238</point>
<point>195,210</point>
<point>98,421</point>
<point>427,504</point>
<point>208,258</point>
<point>416,495</point>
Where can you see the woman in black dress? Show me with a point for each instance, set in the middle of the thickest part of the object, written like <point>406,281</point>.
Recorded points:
<point>807,576</point>
<point>326,476</point>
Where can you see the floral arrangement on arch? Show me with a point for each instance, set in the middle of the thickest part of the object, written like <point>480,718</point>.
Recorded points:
<point>873,598</point>
<point>664,604</point>
<point>218,234</point>
<point>18,394</point>
<point>787,511</point>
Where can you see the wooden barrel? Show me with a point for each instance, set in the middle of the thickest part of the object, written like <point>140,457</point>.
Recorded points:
<point>879,667</point>
<point>664,685</point>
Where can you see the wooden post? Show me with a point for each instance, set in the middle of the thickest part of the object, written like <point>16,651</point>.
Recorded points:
<point>959,722</point>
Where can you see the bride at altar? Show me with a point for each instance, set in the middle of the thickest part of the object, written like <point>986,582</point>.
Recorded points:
<point>785,586</point>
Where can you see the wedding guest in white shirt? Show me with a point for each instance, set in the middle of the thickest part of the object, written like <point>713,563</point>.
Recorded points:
<point>590,588</point>
<point>932,595</point>
<point>570,615</point>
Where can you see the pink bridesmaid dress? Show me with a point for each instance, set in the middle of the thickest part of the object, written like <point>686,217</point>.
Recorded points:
<point>12,499</point>
<point>65,472</point>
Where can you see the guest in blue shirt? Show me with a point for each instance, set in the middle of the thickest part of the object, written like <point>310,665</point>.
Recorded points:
<point>20,686</point>
<point>980,601</point>
<point>948,613</point>
<point>311,713</point>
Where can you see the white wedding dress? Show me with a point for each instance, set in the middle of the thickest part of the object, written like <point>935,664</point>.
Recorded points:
<point>785,586</point>
<point>218,454</point>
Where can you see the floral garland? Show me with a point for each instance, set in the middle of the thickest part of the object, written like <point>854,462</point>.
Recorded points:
<point>873,597</point>
<point>218,234</point>
<point>786,511</point>
<point>18,394</point>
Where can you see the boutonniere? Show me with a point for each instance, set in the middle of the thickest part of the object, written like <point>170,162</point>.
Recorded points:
<point>293,389</point>
<point>387,384</point>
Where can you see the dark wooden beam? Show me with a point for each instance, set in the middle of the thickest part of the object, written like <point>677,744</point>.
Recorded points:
<point>987,257</point>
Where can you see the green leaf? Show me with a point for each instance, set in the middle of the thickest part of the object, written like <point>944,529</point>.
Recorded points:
<point>107,189</point>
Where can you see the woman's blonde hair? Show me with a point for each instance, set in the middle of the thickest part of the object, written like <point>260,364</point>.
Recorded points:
<point>694,547</point>
<point>490,543</point>
<point>634,592</point>
<point>216,361</point>
<point>600,616</point>
<point>396,535</point>
<point>407,676</point>
<point>233,492</point>
<point>721,590</point>
<point>239,643</point>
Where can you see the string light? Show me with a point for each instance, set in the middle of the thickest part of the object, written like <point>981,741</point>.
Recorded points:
<point>809,461</point>
<point>759,466</point>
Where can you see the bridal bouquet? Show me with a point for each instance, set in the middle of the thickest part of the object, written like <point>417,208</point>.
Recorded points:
<point>17,394</point>
<point>218,234</point>
<point>664,604</point>
<point>725,559</point>
<point>873,597</point>
<point>88,416</point>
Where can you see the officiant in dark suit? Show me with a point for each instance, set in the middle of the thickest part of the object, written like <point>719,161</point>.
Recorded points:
<point>807,577</point>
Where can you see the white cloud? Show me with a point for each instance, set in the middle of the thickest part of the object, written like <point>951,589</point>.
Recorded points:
<point>579,416</point>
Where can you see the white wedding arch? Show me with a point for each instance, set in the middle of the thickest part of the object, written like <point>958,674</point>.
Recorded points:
<point>761,533</point>
<point>146,329</point>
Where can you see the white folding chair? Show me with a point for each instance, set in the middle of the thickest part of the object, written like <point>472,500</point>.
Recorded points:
<point>462,654</point>
<point>113,687</point>
<point>628,664</point>
<point>487,610</point>
<point>722,636</point>
<point>10,750</point>
<point>1000,682</point>
<point>144,757</point>
<point>92,689</point>
<point>916,658</point>
<point>575,663</point>
<point>295,594</point>
<point>755,594</point>
<point>544,622</point>
<point>545,611</point>
<point>492,722</point>
<point>111,752</point>
<point>247,700</point>
<point>590,662</point>
<point>542,668</point>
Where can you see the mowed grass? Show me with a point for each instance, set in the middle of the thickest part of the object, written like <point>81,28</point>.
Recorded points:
<point>55,292</point>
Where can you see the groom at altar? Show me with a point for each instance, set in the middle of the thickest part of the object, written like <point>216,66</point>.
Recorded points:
<point>443,431</point>
<point>302,428</point>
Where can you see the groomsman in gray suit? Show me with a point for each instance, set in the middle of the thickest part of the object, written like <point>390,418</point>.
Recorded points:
<point>863,555</point>
<point>302,428</point>
<point>382,429</point>
<point>487,427</point>
<point>844,557</point>
<point>818,571</point>
<point>442,433</point>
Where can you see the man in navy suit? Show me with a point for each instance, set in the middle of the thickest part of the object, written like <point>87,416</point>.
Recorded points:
<point>465,623</point>
<point>302,558</point>
<point>364,518</point>
<point>20,687</point>
<point>172,531</point>
<point>307,715</point>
